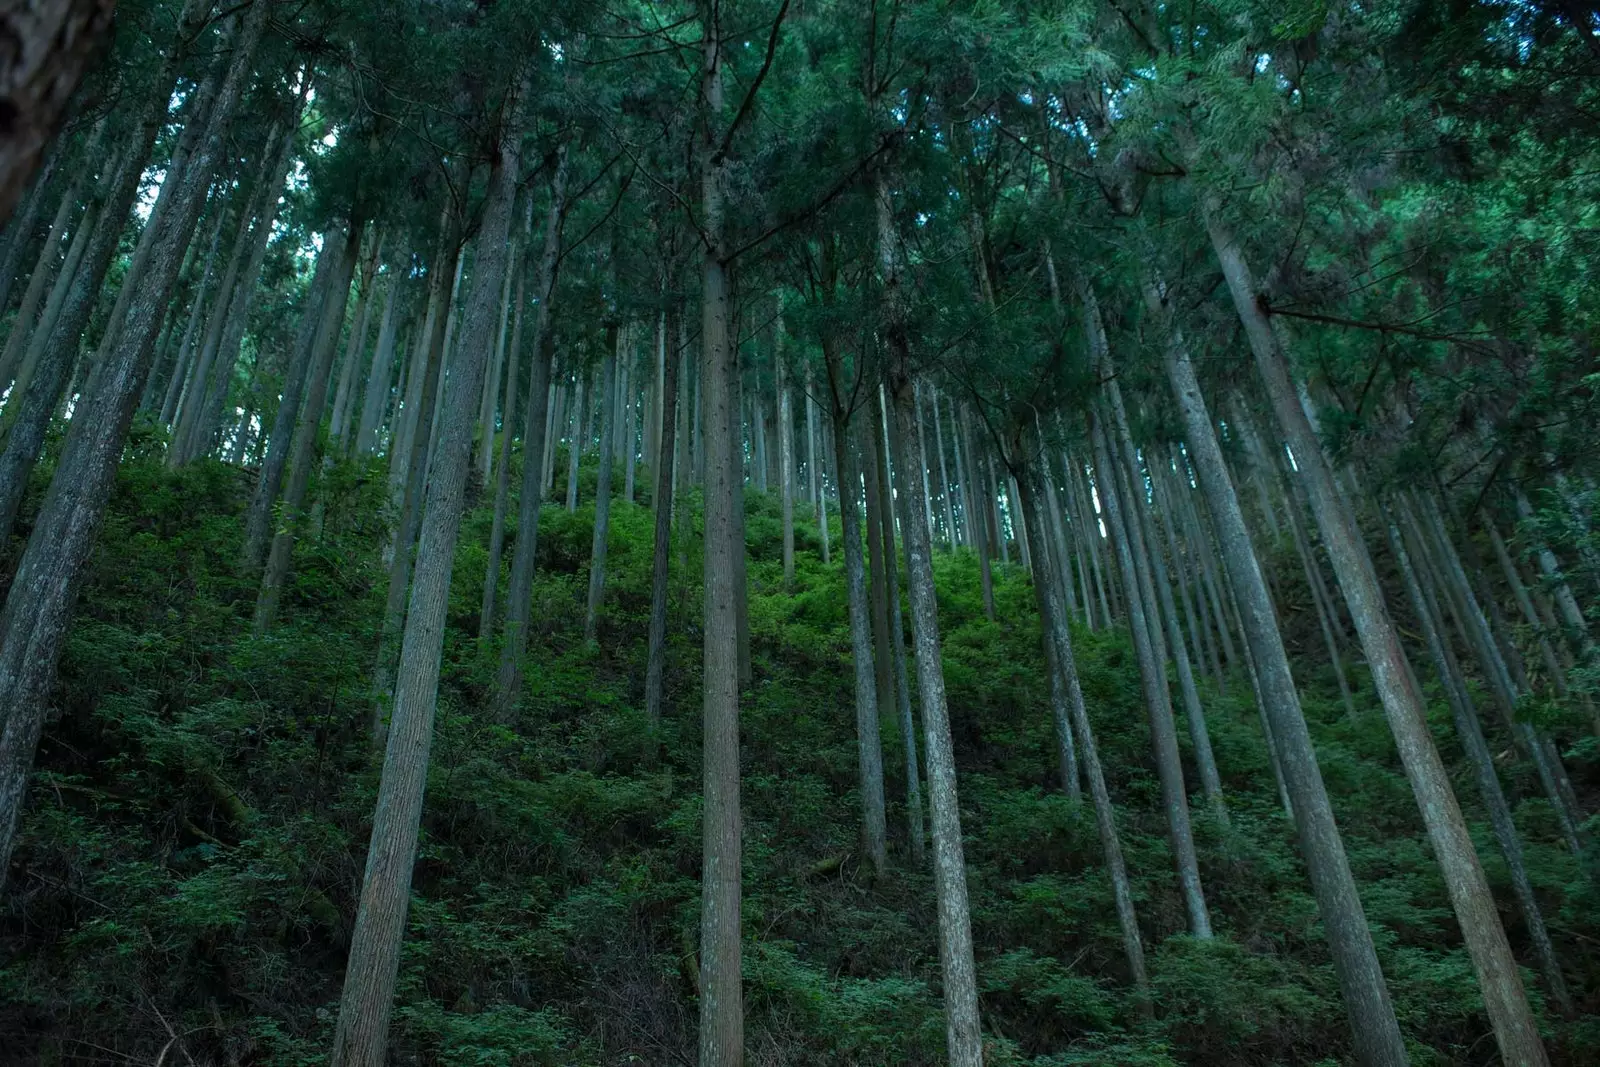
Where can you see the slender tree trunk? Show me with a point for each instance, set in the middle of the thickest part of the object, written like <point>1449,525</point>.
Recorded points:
<point>202,432</point>
<point>1062,664</point>
<point>877,581</point>
<point>355,350</point>
<point>380,374</point>
<point>258,518</point>
<point>944,474</point>
<point>361,1035</point>
<point>18,233</point>
<point>662,501</point>
<point>1326,620</point>
<point>602,494</point>
<point>33,623</point>
<point>819,495</point>
<point>44,272</point>
<point>538,447</point>
<point>869,747</point>
<point>502,481</point>
<point>1501,985</point>
<point>575,444</point>
<point>1158,702</point>
<point>308,429</point>
<point>413,478</point>
<point>897,639</point>
<point>785,461</point>
<point>977,521</point>
<point>1372,1021</point>
<point>1424,602</point>
<point>963,1032</point>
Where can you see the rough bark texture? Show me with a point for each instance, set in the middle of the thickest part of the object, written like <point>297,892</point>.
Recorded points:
<point>33,624</point>
<point>45,46</point>
<point>1516,1032</point>
<point>361,1035</point>
<point>721,984</point>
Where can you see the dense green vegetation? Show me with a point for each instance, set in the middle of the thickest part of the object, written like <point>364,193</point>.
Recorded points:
<point>199,814</point>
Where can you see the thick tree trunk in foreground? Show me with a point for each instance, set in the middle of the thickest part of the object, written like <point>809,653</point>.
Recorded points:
<point>33,624</point>
<point>721,982</point>
<point>48,46</point>
<point>1372,1021</point>
<point>1515,1029</point>
<point>361,1035</point>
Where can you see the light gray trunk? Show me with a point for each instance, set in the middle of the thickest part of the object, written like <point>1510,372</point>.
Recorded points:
<point>1506,1002</point>
<point>361,1034</point>
<point>662,501</point>
<point>1366,996</point>
<point>380,374</point>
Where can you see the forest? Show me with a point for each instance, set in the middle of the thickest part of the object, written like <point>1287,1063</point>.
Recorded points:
<point>1025,533</point>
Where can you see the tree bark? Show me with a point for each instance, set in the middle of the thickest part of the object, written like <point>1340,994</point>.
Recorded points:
<point>721,984</point>
<point>1061,662</point>
<point>502,481</point>
<point>1424,602</point>
<point>361,1034</point>
<point>49,45</point>
<point>897,638</point>
<point>869,746</point>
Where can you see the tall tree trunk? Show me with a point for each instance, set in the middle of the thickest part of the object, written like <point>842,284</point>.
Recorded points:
<point>43,273</point>
<point>361,1034</point>
<point>576,442</point>
<point>537,449</point>
<point>785,459</point>
<point>1504,998</point>
<point>869,449</point>
<point>662,501</point>
<point>814,457</point>
<point>897,637</point>
<point>963,1031</point>
<point>1424,602</point>
<point>602,493</point>
<point>18,233</point>
<point>33,623</point>
<point>208,416</point>
<point>1366,996</point>
<point>1062,664</point>
<point>951,539</point>
<point>308,429</point>
<point>1152,672</point>
<point>869,746</point>
<point>721,987</point>
<point>258,518</point>
<point>502,469</point>
<point>977,510</point>
<point>380,374</point>
<point>413,478</point>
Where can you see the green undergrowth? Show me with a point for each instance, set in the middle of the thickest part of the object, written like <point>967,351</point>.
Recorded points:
<point>196,829</point>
